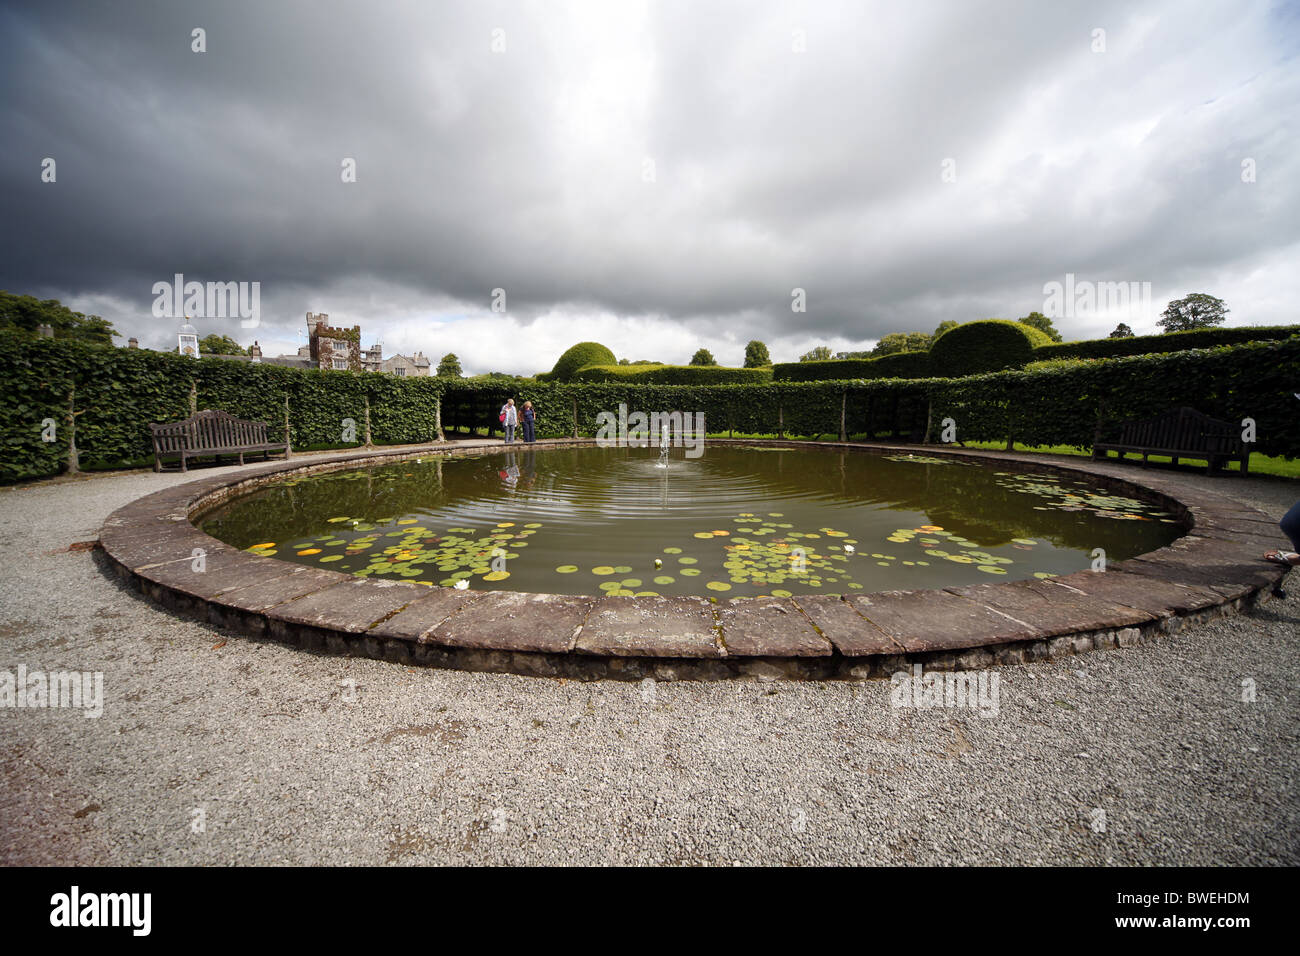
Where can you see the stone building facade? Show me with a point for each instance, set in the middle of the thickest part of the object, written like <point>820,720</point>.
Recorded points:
<point>406,366</point>
<point>332,348</point>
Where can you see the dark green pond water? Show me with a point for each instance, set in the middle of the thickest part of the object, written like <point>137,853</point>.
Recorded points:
<point>739,521</point>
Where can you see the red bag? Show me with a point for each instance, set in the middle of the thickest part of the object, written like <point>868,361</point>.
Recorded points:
<point>501,417</point>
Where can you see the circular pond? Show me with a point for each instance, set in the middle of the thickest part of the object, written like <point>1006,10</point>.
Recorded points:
<point>740,521</point>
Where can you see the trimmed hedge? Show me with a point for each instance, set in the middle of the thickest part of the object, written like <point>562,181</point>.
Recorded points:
<point>988,345</point>
<point>1169,342</point>
<point>1065,405</point>
<point>116,392</point>
<point>112,394</point>
<point>672,374</point>
<point>897,365</point>
<point>580,356</point>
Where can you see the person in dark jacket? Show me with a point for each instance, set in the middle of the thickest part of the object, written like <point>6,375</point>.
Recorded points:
<point>529,420</point>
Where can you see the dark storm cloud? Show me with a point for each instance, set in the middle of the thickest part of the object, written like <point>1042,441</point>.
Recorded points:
<point>772,169</point>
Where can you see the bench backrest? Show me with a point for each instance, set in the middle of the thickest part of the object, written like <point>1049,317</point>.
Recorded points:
<point>1183,428</point>
<point>208,429</point>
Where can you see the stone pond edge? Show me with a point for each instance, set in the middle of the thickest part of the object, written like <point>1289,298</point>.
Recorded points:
<point>1214,569</point>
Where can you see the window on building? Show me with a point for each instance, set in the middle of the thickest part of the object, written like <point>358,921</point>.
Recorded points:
<point>400,370</point>
<point>340,363</point>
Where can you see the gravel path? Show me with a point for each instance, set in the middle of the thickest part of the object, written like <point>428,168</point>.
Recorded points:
<point>287,757</point>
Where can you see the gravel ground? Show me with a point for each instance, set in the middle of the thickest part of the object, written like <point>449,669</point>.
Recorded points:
<point>215,748</point>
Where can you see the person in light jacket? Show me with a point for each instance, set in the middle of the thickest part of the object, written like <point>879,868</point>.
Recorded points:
<point>509,418</point>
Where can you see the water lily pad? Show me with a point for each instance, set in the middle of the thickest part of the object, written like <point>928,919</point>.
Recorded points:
<point>602,570</point>
<point>567,568</point>
<point>718,586</point>
<point>496,576</point>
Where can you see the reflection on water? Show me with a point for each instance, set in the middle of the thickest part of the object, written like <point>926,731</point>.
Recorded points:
<point>739,521</point>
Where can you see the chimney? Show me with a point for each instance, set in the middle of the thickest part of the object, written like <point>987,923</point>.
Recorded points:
<point>45,330</point>
<point>255,353</point>
<point>133,343</point>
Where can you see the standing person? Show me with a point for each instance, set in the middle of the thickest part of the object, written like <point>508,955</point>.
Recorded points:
<point>510,418</point>
<point>530,417</point>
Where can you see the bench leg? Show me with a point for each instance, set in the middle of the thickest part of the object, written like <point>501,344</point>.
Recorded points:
<point>241,457</point>
<point>1245,464</point>
<point>183,468</point>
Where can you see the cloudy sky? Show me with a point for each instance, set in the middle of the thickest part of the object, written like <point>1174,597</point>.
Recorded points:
<point>655,176</point>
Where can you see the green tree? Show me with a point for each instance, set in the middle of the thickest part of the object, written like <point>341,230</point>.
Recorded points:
<point>449,367</point>
<point>24,313</point>
<point>944,326</point>
<point>1122,331</point>
<point>703,357</point>
<point>1197,311</point>
<point>756,355</point>
<point>220,345</point>
<point>1043,324</point>
<point>820,354</point>
<point>901,342</point>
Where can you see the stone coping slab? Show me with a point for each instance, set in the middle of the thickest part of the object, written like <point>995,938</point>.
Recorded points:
<point>153,545</point>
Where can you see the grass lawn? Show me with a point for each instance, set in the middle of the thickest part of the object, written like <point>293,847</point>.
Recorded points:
<point>1259,464</point>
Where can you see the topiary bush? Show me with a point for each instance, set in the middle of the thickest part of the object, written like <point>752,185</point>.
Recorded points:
<point>989,345</point>
<point>580,356</point>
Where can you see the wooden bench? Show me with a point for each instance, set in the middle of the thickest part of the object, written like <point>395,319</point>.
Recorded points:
<point>1179,433</point>
<point>211,433</point>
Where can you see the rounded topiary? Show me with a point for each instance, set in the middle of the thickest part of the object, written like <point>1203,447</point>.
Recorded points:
<point>988,345</point>
<point>580,356</point>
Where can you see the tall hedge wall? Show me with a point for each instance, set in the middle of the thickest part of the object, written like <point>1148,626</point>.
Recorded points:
<point>1169,342</point>
<point>672,374</point>
<point>897,365</point>
<point>104,398</point>
<point>114,393</point>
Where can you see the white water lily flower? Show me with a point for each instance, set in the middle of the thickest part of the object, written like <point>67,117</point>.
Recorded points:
<point>461,585</point>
